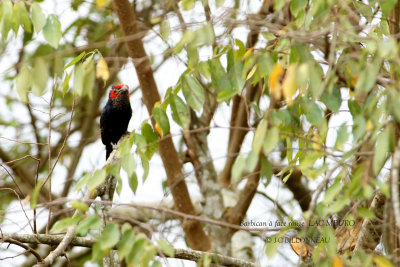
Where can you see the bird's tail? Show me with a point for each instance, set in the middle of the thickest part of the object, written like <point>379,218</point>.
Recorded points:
<point>109,149</point>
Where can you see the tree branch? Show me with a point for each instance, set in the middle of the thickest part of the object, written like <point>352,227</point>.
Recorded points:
<point>195,234</point>
<point>184,254</point>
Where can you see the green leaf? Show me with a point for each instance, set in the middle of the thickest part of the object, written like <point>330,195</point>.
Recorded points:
<point>145,166</point>
<point>299,53</point>
<point>271,247</point>
<point>297,5</point>
<point>65,85</point>
<point>21,14</point>
<point>204,69</point>
<point>96,179</point>
<point>384,28</point>
<point>97,253</point>
<point>251,161</point>
<point>235,69</point>
<point>203,36</point>
<point>52,31</point>
<point>35,193</point>
<point>124,147</point>
<point>40,75</point>
<point>84,77</point>
<point>92,222</point>
<point>129,165</point>
<point>382,261</point>
<point>188,4</point>
<point>271,140</point>
<point>132,259</point>
<point>367,78</point>
<point>6,17</point>
<point>315,73</point>
<point>342,137</point>
<point>266,170</point>
<point>110,236</point>
<point>165,29</point>
<point>180,112</point>
<point>381,150</point>
<point>79,205</point>
<point>125,244</point>
<point>313,113</point>
<point>354,108</point>
<point>151,139</point>
<point>281,117</point>
<point>226,95</point>
<point>38,18</point>
<point>75,60</point>
<point>238,167</point>
<point>359,127</point>
<point>83,181</point>
<point>259,136</point>
<point>219,3</point>
<point>162,119</point>
<point>23,83</point>
<point>332,192</point>
<point>365,213</point>
<point>337,205</point>
<point>332,99</point>
<point>148,254</point>
<point>166,247</point>
<point>219,77</point>
<point>115,171</point>
<point>387,6</point>
<point>65,223</point>
<point>187,37</point>
<point>193,92</point>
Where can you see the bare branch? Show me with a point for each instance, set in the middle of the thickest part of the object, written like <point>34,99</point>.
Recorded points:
<point>191,255</point>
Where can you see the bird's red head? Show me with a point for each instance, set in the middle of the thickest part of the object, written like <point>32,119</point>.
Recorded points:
<point>117,88</point>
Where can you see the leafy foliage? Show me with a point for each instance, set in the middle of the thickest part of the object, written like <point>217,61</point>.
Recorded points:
<point>311,89</point>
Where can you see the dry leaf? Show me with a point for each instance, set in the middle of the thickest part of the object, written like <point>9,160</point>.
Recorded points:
<point>102,70</point>
<point>299,247</point>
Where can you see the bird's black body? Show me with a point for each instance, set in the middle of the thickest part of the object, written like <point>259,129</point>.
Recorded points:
<point>115,116</point>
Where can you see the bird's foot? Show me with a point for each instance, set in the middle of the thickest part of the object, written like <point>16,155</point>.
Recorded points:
<point>114,146</point>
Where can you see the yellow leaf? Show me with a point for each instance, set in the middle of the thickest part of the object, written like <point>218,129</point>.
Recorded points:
<point>158,129</point>
<point>382,261</point>
<point>337,262</point>
<point>282,31</point>
<point>354,79</point>
<point>102,70</point>
<point>316,144</point>
<point>274,81</point>
<point>289,85</point>
<point>369,126</point>
<point>248,52</point>
<point>102,3</point>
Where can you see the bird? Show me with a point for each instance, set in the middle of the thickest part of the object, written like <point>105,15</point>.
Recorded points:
<point>115,116</point>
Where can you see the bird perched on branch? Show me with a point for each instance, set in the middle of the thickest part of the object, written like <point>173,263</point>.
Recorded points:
<point>115,116</point>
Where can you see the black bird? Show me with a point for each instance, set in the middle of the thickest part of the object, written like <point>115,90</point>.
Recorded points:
<point>115,116</point>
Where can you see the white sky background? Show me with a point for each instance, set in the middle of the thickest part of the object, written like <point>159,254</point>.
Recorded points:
<point>151,191</point>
